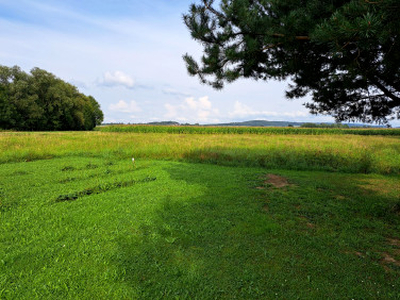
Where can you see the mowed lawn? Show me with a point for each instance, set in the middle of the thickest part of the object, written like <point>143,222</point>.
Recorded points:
<point>77,225</point>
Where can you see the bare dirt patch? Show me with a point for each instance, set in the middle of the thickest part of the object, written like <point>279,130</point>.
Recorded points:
<point>357,253</point>
<point>388,259</point>
<point>391,259</point>
<point>310,225</point>
<point>276,181</point>
<point>394,242</point>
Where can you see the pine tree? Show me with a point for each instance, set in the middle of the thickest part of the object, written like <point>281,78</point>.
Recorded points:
<point>345,53</point>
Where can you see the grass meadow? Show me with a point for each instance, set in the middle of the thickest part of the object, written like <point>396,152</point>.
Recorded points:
<point>199,216</point>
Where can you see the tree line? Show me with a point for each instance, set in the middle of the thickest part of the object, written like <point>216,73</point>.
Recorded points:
<point>40,101</point>
<point>324,125</point>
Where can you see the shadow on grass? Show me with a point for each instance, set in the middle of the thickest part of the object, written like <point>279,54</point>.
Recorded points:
<point>223,244</point>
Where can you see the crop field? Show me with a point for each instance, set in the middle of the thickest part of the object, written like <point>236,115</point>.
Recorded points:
<point>222,215</point>
<point>247,130</point>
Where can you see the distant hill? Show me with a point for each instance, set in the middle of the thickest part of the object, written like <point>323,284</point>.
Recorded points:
<point>265,123</point>
<point>164,123</point>
<point>259,123</point>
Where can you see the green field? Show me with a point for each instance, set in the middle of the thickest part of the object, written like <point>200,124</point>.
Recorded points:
<point>247,130</point>
<point>199,216</point>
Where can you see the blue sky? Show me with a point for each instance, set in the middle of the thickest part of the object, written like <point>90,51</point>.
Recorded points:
<point>128,55</point>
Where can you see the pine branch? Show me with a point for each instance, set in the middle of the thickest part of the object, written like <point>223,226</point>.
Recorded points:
<point>270,46</point>
<point>296,37</point>
<point>210,8</point>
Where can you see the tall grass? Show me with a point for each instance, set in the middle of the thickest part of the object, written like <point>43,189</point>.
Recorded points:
<point>345,153</point>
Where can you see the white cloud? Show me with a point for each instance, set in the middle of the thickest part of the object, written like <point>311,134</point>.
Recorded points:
<point>295,114</point>
<point>117,78</point>
<point>174,92</point>
<point>191,103</point>
<point>202,103</point>
<point>192,110</point>
<point>241,110</point>
<point>125,107</point>
<point>171,111</point>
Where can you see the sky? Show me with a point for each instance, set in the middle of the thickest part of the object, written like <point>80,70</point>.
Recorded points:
<point>127,54</point>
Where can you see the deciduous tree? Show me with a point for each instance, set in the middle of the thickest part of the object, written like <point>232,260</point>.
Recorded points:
<point>41,101</point>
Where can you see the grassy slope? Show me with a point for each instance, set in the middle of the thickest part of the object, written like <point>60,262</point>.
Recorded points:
<point>345,153</point>
<point>198,230</point>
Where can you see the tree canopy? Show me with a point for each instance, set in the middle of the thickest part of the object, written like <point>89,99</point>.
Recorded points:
<point>41,101</point>
<point>344,53</point>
